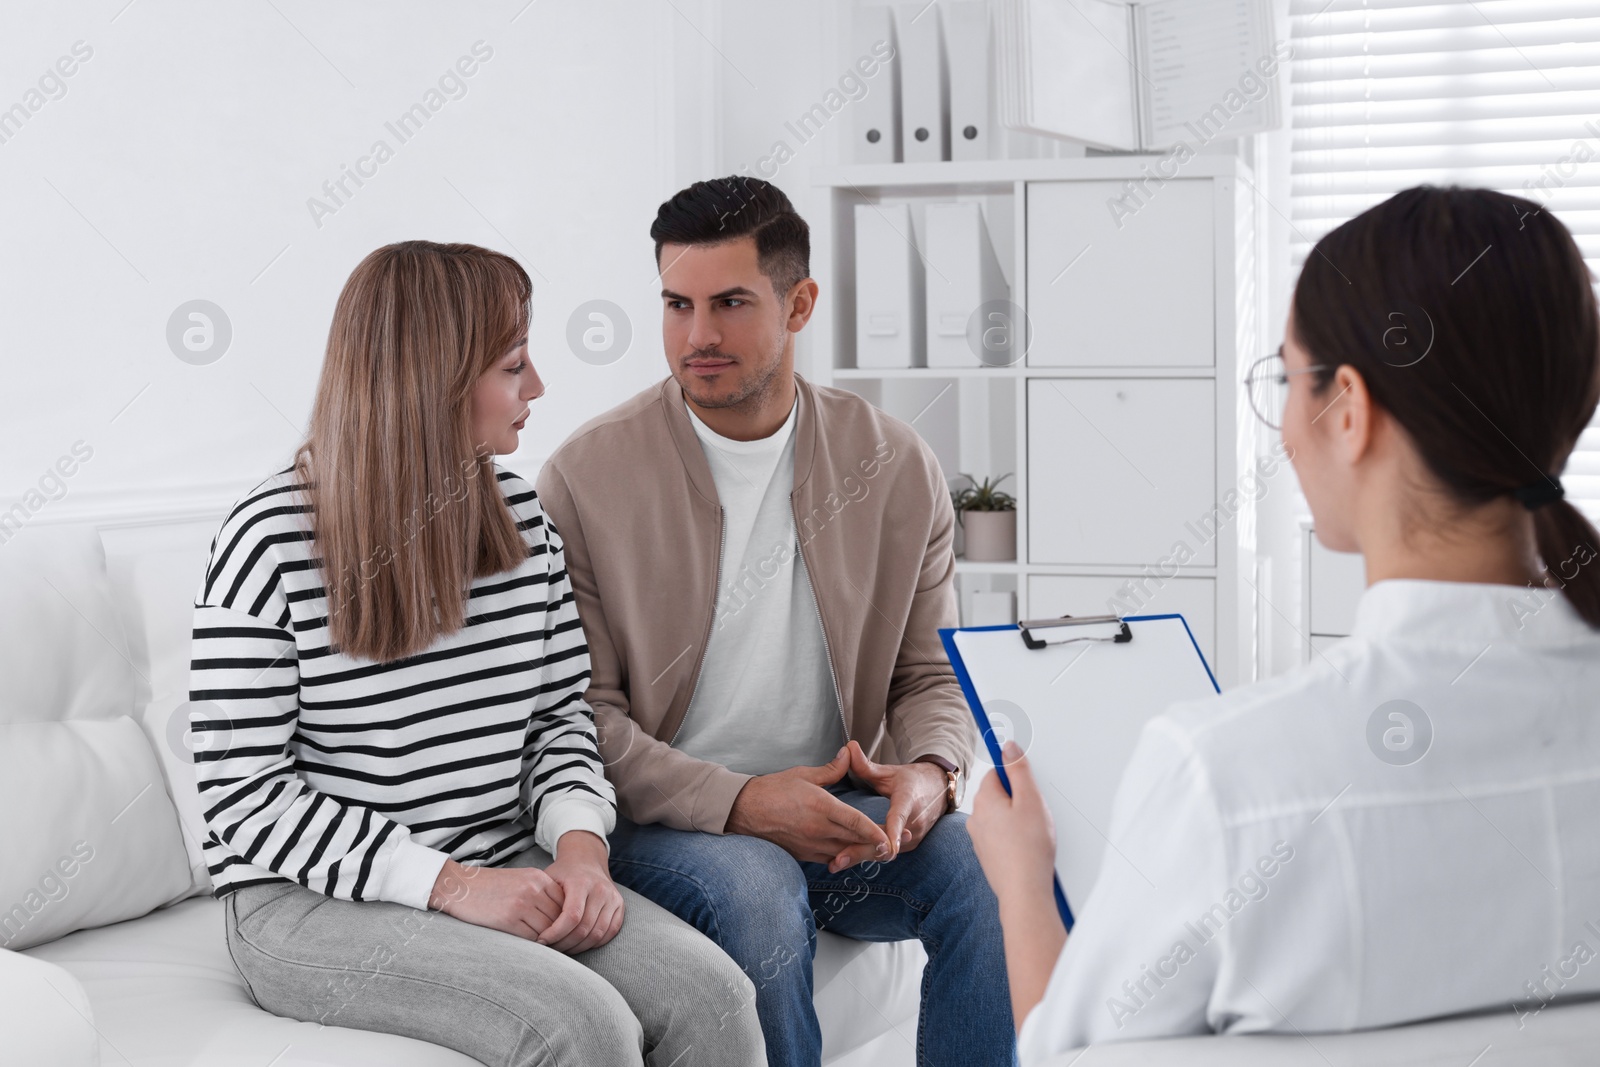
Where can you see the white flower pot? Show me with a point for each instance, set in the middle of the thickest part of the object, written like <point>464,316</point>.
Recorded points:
<point>991,536</point>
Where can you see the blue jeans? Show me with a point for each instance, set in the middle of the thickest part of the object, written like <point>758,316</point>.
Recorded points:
<point>764,908</point>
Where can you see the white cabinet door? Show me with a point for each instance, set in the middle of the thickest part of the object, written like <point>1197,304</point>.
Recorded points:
<point>1121,470</point>
<point>1135,291</point>
<point>1050,596</point>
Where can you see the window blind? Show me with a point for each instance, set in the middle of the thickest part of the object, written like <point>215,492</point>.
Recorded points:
<point>1503,94</point>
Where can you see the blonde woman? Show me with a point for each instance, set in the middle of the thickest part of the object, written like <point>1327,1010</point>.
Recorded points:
<point>406,811</point>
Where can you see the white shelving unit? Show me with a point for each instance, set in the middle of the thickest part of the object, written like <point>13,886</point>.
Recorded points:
<point>1125,423</point>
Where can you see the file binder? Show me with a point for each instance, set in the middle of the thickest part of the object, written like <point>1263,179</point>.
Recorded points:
<point>924,84</point>
<point>968,51</point>
<point>963,274</point>
<point>877,115</point>
<point>889,291</point>
<point>1077,710</point>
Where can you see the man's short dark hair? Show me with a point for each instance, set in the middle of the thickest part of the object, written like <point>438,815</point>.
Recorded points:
<point>722,209</point>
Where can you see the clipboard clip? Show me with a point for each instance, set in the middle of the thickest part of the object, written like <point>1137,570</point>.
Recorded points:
<point>1122,637</point>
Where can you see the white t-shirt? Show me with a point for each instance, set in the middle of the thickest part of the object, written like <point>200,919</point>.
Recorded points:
<point>1402,829</point>
<point>765,700</point>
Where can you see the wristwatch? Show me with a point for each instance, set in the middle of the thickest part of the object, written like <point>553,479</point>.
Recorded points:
<point>952,789</point>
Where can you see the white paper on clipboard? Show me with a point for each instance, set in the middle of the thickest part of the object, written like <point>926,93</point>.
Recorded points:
<point>1077,709</point>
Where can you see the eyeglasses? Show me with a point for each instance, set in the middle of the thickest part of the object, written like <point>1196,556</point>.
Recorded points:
<point>1268,385</point>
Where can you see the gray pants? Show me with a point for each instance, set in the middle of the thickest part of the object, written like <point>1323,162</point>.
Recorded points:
<point>660,992</point>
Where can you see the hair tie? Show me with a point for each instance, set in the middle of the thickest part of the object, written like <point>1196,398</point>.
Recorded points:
<point>1540,493</point>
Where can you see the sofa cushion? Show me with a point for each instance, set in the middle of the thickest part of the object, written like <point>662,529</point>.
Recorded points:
<point>47,1014</point>
<point>167,723</point>
<point>165,991</point>
<point>62,650</point>
<point>861,989</point>
<point>155,570</point>
<point>90,836</point>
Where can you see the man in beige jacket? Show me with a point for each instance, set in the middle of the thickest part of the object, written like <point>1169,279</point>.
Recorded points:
<point>761,567</point>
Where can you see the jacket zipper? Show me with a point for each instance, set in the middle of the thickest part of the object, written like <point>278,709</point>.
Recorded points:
<point>827,650</point>
<point>705,643</point>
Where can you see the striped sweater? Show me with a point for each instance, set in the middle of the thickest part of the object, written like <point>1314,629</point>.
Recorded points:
<point>359,779</point>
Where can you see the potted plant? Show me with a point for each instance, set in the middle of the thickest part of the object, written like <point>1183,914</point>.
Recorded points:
<point>989,519</point>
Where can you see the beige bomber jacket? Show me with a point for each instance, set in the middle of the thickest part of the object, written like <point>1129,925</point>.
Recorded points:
<point>631,495</point>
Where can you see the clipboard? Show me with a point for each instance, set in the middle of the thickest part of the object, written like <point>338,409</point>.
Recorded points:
<point>1075,693</point>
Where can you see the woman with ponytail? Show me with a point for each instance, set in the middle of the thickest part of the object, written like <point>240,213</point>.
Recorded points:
<point>1404,828</point>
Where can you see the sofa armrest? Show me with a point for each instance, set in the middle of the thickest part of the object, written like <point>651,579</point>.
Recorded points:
<point>48,1019</point>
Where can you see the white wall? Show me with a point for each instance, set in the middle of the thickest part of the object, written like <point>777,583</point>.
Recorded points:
<point>780,60</point>
<point>178,164</point>
<point>179,159</point>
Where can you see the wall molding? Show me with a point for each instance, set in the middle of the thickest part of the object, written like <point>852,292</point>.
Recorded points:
<point>140,505</point>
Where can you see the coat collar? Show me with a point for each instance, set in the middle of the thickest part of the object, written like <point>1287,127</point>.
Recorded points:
<point>1420,611</point>
<point>693,456</point>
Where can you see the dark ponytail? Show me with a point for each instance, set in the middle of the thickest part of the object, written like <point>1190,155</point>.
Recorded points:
<point>1471,317</point>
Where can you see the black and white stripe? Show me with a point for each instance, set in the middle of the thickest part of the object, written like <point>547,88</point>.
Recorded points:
<point>356,778</point>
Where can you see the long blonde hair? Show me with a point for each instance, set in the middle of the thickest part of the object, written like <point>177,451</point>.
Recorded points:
<point>405,510</point>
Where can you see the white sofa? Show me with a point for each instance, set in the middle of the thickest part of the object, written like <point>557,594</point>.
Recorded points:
<point>123,961</point>
<point>122,958</point>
